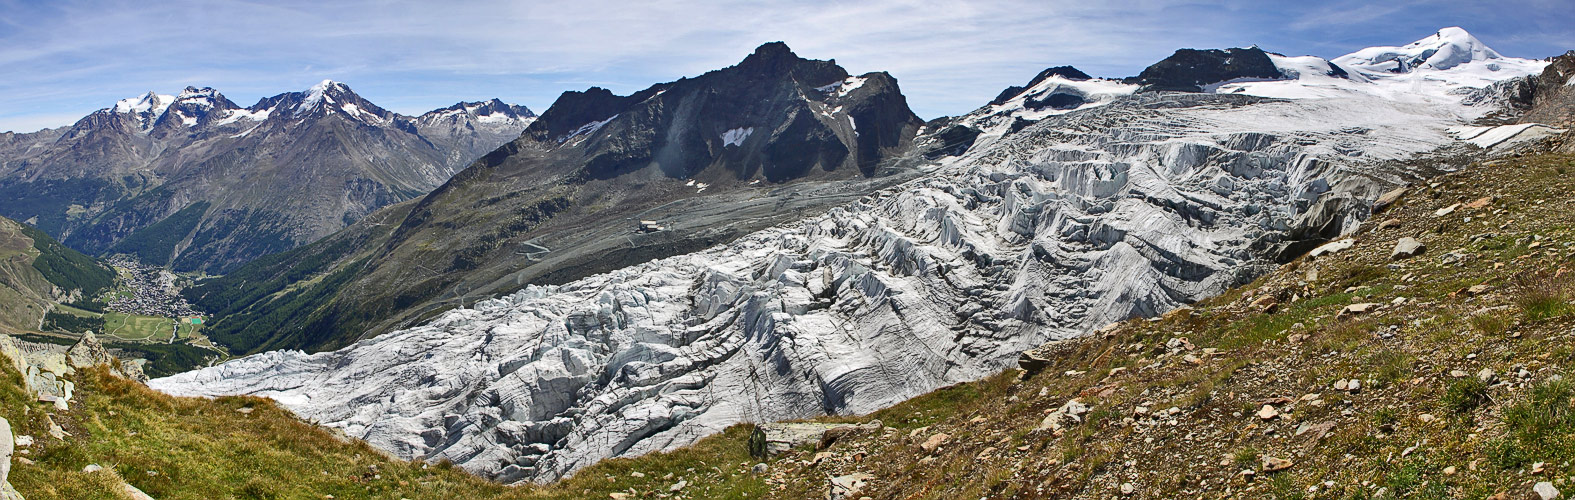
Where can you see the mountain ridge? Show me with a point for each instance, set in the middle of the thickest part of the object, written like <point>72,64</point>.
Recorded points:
<point>285,171</point>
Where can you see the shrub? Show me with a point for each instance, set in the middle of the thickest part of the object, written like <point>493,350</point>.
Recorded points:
<point>1465,395</point>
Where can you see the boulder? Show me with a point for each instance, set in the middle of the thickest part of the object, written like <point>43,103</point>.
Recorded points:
<point>1388,199</point>
<point>88,352</point>
<point>845,487</point>
<point>1272,464</point>
<point>9,349</point>
<point>1358,309</point>
<point>7,446</point>
<point>1406,248</point>
<point>1069,413</point>
<point>1331,248</point>
<point>1546,490</point>
<point>774,438</point>
<point>935,442</point>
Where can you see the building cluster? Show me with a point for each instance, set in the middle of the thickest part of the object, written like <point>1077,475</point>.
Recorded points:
<point>153,292</point>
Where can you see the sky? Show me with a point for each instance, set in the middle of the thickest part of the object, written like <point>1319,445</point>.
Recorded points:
<point>62,59</point>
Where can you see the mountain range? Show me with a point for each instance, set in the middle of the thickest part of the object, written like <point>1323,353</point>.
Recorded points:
<point>771,140</point>
<point>781,240</point>
<point>195,182</point>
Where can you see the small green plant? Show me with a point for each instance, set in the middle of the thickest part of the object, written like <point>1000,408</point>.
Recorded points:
<point>1545,411</point>
<point>1541,296</point>
<point>1245,457</point>
<point>1386,417</point>
<point>1391,366</point>
<point>1490,323</point>
<point>1465,395</point>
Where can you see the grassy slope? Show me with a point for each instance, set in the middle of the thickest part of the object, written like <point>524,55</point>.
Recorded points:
<point>1422,426</point>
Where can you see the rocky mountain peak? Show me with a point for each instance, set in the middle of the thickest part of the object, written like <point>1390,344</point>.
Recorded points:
<point>1067,72</point>
<point>145,109</point>
<point>1187,70</point>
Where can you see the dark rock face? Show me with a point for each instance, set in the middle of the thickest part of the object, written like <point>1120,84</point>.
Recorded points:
<point>1553,98</point>
<point>710,158</point>
<point>954,141</point>
<point>1189,69</point>
<point>1067,72</point>
<point>1056,100</point>
<point>244,182</point>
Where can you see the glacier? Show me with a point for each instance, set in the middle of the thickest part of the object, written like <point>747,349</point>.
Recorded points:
<point>1126,206</point>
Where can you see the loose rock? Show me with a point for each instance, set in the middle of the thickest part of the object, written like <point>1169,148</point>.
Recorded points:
<point>1546,490</point>
<point>1406,248</point>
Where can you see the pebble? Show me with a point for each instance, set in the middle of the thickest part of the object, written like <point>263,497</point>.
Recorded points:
<point>1268,413</point>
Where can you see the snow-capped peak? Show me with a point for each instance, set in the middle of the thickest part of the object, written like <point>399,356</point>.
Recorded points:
<point>190,93</point>
<point>151,101</point>
<point>1441,66</point>
<point>1447,48</point>
<point>319,94</point>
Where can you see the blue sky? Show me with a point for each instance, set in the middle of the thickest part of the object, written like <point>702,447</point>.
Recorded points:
<point>60,60</point>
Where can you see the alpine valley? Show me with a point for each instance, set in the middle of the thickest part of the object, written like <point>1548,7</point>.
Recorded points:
<point>635,285</point>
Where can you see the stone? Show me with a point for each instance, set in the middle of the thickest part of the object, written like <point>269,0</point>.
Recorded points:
<point>678,486</point>
<point>934,442</point>
<point>1487,376</point>
<point>1358,309</point>
<point>1128,489</point>
<point>1479,202</point>
<point>1272,464</point>
<point>1546,491</point>
<point>88,352</point>
<point>1069,413</point>
<point>1388,199</point>
<point>1267,303</point>
<point>619,496</point>
<point>775,438</point>
<point>1268,413</point>
<point>845,487</point>
<point>7,447</point>
<point>1449,471</point>
<point>91,468</point>
<point>1475,290</point>
<point>1406,248</point>
<point>1331,248</point>
<point>759,468</point>
<point>1446,210</point>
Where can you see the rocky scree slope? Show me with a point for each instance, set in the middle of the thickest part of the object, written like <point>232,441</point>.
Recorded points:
<point>199,183</point>
<point>1127,205</point>
<point>773,139</point>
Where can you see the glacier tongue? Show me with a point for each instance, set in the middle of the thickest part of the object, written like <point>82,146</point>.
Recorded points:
<point>1125,209</point>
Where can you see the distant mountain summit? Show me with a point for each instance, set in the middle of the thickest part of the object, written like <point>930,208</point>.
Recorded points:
<point>195,181</point>
<point>1447,48</point>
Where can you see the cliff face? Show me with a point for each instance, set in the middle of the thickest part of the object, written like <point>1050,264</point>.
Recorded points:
<point>1553,98</point>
